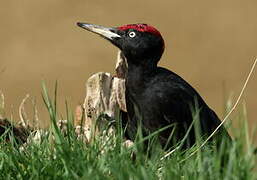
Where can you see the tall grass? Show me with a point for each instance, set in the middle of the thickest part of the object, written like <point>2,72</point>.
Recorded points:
<point>60,156</point>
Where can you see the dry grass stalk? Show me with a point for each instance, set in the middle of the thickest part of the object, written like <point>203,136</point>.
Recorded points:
<point>22,113</point>
<point>1,105</point>
<point>35,115</point>
<point>79,111</point>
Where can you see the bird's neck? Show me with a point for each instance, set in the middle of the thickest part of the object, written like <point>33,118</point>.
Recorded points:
<point>139,74</point>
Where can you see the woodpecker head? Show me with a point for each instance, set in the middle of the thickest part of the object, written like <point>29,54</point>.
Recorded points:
<point>140,43</point>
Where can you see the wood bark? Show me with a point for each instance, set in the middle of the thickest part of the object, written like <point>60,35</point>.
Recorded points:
<point>105,94</point>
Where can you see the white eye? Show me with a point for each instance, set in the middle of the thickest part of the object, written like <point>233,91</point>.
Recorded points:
<point>132,34</point>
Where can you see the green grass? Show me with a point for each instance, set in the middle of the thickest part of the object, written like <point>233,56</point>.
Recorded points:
<point>67,157</point>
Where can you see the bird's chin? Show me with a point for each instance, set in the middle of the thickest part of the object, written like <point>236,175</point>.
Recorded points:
<point>116,44</point>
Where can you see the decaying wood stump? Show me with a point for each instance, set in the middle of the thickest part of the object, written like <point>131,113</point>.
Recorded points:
<point>8,130</point>
<point>105,93</point>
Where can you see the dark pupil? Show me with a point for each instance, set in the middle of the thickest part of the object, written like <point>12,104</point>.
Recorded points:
<point>130,32</point>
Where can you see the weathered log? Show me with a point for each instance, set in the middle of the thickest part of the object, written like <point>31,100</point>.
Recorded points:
<point>8,130</point>
<point>105,94</point>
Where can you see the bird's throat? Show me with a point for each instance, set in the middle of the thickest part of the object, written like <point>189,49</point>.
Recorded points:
<point>139,75</point>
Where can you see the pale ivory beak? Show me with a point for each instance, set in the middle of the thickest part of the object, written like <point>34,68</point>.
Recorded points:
<point>108,33</point>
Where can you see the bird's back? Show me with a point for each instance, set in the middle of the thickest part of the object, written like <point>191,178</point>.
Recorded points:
<point>165,98</point>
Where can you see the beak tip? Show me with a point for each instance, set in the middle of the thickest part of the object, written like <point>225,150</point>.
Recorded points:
<point>79,24</point>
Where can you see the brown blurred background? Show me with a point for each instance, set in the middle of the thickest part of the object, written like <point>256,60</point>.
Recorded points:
<point>212,44</point>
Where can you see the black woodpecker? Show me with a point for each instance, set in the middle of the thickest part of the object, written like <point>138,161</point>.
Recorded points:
<point>155,96</point>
